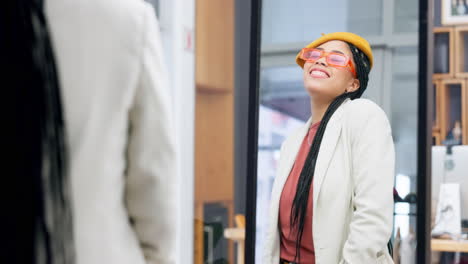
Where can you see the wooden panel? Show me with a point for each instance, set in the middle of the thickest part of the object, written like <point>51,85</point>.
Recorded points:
<point>449,245</point>
<point>214,147</point>
<point>436,126</point>
<point>198,231</point>
<point>215,44</point>
<point>451,32</point>
<point>214,113</point>
<point>460,51</point>
<point>442,112</point>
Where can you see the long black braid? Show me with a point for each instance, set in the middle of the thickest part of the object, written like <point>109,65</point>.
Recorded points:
<point>36,200</point>
<point>299,207</point>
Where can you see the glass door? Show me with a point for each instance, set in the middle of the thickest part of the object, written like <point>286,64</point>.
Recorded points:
<point>392,29</point>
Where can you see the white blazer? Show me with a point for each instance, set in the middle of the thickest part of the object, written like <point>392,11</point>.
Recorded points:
<point>117,113</point>
<point>353,187</point>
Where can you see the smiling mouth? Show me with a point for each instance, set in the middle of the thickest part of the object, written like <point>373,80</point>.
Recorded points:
<point>317,73</point>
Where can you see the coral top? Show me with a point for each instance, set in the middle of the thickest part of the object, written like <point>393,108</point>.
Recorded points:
<point>288,236</point>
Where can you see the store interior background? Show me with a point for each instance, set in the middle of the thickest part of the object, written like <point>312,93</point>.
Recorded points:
<point>212,187</point>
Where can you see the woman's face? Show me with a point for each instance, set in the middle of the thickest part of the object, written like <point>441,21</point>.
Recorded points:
<point>326,82</point>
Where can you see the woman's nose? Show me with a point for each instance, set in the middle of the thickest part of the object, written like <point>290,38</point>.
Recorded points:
<point>321,61</point>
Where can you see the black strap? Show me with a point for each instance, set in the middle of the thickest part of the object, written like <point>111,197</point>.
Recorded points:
<point>390,247</point>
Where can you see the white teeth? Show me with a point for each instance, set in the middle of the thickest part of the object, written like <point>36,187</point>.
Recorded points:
<point>319,73</point>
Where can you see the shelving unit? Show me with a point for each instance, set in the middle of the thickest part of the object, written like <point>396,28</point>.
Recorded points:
<point>450,82</point>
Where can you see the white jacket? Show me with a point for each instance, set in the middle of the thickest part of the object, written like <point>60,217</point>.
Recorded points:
<point>353,187</point>
<point>116,101</point>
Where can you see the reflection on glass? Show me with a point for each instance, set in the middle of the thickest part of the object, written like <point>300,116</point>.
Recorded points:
<point>449,169</point>
<point>402,210</point>
<point>365,17</point>
<point>298,21</point>
<point>393,86</point>
<point>449,158</point>
<point>284,106</point>
<point>274,127</point>
<point>404,116</point>
<point>406,16</point>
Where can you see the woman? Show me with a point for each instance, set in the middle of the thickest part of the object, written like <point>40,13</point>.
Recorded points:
<point>332,200</point>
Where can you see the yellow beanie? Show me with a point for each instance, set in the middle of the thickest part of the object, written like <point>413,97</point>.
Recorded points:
<point>352,38</point>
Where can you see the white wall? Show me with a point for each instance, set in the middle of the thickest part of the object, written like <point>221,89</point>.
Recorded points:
<point>177,19</point>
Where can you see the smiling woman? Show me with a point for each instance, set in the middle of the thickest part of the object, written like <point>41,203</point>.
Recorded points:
<point>342,179</point>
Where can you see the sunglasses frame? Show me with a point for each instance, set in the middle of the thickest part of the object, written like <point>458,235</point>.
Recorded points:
<point>325,54</point>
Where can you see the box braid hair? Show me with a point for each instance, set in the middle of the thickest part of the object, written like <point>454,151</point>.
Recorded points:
<point>299,207</point>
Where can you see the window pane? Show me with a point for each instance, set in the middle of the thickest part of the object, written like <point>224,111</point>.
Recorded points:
<point>303,20</point>
<point>404,116</point>
<point>406,16</point>
<point>274,127</point>
<point>365,17</point>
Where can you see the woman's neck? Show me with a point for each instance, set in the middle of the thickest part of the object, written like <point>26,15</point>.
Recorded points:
<point>318,109</point>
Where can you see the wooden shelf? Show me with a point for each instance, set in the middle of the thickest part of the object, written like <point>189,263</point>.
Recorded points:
<point>460,70</point>
<point>235,233</point>
<point>453,50</point>
<point>436,122</point>
<point>449,245</point>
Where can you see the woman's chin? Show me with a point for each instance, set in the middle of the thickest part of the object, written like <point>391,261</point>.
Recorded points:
<point>315,88</point>
<point>319,91</point>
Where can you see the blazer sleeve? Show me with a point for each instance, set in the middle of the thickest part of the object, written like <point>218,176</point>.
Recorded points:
<point>373,161</point>
<point>151,170</point>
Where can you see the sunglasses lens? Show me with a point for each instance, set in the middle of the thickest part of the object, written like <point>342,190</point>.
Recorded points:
<point>312,55</point>
<point>337,59</point>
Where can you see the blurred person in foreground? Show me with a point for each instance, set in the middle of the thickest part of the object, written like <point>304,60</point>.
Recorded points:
<point>116,102</point>
<point>36,218</point>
